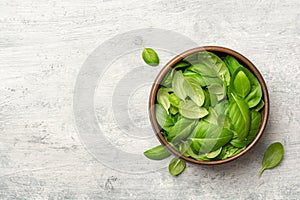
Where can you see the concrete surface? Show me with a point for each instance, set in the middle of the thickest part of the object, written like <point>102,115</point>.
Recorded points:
<point>44,47</point>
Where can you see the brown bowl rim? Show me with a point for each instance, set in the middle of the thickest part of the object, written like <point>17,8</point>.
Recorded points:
<point>217,49</point>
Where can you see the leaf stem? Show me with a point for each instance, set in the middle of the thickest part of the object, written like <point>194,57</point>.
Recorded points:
<point>261,171</point>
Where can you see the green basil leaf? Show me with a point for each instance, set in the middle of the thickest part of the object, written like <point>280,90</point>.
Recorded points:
<point>150,57</point>
<point>167,80</point>
<point>183,148</point>
<point>181,64</point>
<point>173,110</point>
<point>176,166</point>
<point>259,106</point>
<point>241,84</point>
<point>239,114</point>
<point>195,92</point>
<point>256,119</point>
<point>162,98</point>
<point>157,153</point>
<point>232,64</point>
<point>181,129</point>
<point>179,85</point>
<point>255,95</point>
<point>207,102</point>
<point>212,117</point>
<point>183,88</point>
<point>228,151</point>
<point>195,76</point>
<point>163,119</point>
<point>204,70</point>
<point>190,110</point>
<point>174,100</point>
<point>272,156</point>
<point>208,137</point>
<point>214,154</point>
<point>201,156</point>
<point>214,62</point>
<point>217,89</point>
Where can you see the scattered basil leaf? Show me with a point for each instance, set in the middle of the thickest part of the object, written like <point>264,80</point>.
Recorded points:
<point>272,156</point>
<point>176,166</point>
<point>150,57</point>
<point>157,153</point>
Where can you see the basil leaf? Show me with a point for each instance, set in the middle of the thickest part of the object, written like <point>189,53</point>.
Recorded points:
<point>167,80</point>
<point>181,129</point>
<point>214,153</point>
<point>190,110</point>
<point>173,110</point>
<point>183,88</point>
<point>228,151</point>
<point>259,106</point>
<point>207,102</point>
<point>241,84</point>
<point>157,153</point>
<point>239,114</point>
<point>214,62</point>
<point>174,100</point>
<point>201,156</point>
<point>195,92</point>
<point>254,97</point>
<point>212,117</point>
<point>179,85</point>
<point>163,119</point>
<point>162,98</point>
<point>195,76</point>
<point>150,57</point>
<point>176,166</point>
<point>256,119</point>
<point>181,64</point>
<point>217,89</point>
<point>204,70</point>
<point>232,64</point>
<point>183,148</point>
<point>272,156</point>
<point>208,137</point>
<point>255,94</point>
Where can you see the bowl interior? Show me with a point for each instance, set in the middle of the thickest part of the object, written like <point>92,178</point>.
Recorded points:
<point>220,51</point>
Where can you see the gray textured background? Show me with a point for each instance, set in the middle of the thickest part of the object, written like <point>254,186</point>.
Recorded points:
<point>43,45</point>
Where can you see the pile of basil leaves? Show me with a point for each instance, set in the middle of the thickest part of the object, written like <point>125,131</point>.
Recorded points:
<point>208,108</point>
